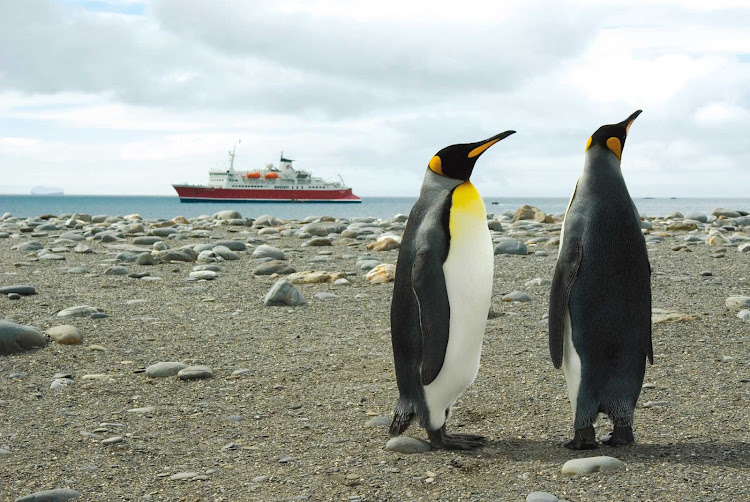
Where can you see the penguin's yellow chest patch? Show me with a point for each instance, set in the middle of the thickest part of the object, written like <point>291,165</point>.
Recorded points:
<point>467,204</point>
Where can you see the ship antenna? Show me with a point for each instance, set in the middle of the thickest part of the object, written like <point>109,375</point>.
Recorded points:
<point>231,155</point>
<point>342,180</point>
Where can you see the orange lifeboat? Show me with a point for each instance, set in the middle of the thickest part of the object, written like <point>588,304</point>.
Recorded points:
<point>256,174</point>
<point>271,176</point>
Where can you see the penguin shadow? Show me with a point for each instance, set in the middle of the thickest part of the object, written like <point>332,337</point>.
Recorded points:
<point>733,454</point>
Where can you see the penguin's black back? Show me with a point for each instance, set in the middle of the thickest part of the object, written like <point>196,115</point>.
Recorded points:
<point>610,300</point>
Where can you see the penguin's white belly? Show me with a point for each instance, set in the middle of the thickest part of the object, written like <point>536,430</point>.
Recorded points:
<point>468,279</point>
<point>571,362</point>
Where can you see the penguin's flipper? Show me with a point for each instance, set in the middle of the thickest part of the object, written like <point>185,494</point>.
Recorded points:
<point>429,286</point>
<point>650,353</point>
<point>565,275</point>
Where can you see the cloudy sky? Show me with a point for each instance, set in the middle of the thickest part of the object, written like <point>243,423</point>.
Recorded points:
<point>130,96</point>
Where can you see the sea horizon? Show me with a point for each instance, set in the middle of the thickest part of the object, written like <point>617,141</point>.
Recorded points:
<point>169,206</point>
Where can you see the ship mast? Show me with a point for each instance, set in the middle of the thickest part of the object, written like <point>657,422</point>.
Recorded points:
<point>231,156</point>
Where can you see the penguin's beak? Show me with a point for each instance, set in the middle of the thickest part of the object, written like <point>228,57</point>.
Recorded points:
<point>482,146</point>
<point>628,121</point>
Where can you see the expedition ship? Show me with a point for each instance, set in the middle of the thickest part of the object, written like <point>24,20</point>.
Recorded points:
<point>272,184</point>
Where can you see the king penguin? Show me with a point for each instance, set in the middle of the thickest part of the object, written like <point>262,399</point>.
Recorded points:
<point>600,300</point>
<point>441,295</point>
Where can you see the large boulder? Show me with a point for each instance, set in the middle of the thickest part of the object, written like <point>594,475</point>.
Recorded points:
<point>527,212</point>
<point>15,338</point>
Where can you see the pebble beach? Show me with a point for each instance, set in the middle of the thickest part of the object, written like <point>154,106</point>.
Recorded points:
<point>223,358</point>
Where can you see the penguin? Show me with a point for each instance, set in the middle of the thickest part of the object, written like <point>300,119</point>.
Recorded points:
<point>600,299</point>
<point>441,295</point>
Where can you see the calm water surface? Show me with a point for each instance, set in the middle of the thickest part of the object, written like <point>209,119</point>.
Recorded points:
<point>378,207</point>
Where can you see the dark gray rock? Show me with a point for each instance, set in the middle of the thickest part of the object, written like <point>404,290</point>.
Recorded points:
<point>318,241</point>
<point>145,259</point>
<point>147,240</point>
<point>283,293</point>
<point>15,338</point>
<point>21,289</point>
<point>30,246</point>
<point>511,246</point>
<point>233,245</point>
<point>274,267</point>
<point>195,373</point>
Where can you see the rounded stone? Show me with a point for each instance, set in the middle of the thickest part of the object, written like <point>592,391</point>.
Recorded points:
<point>165,369</point>
<point>516,296</point>
<point>511,246</point>
<point>78,311</point>
<point>283,292</point>
<point>65,335</point>
<point>737,302</point>
<point>207,275</point>
<point>21,289</point>
<point>266,251</point>
<point>56,495</point>
<point>195,373</point>
<point>406,444</point>
<point>15,338</point>
<point>588,465</point>
<point>541,497</point>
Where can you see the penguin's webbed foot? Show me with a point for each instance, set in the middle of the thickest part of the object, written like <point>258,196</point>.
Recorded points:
<point>621,435</point>
<point>441,438</point>
<point>584,439</point>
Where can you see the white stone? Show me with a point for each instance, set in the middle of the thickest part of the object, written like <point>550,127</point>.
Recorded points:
<point>588,465</point>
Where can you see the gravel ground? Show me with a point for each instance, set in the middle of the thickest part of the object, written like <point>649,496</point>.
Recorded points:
<point>295,425</point>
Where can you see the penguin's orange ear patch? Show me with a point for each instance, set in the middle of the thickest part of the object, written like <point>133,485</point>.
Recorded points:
<point>615,146</point>
<point>588,144</point>
<point>436,165</point>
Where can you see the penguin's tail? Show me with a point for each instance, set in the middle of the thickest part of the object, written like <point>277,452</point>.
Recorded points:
<point>402,417</point>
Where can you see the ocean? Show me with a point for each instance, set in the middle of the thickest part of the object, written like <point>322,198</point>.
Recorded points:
<point>168,207</point>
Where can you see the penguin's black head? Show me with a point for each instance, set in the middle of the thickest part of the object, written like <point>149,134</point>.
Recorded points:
<point>612,137</point>
<point>457,161</point>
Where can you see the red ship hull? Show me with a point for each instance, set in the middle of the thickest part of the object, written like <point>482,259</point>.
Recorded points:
<point>188,193</point>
